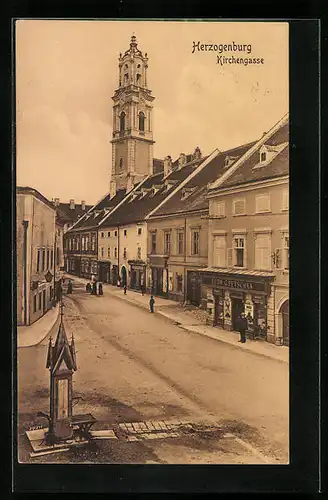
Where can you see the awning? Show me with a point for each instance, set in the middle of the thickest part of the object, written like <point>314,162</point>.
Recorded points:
<point>234,271</point>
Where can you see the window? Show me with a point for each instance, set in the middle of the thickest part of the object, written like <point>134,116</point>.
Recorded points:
<point>138,78</point>
<point>48,258</point>
<point>262,203</point>
<point>43,259</point>
<point>108,252</point>
<point>70,244</point>
<point>34,303</point>
<point>108,234</point>
<point>262,251</point>
<point>195,242</point>
<point>139,253</point>
<point>167,243</point>
<point>125,232</point>
<point>115,233</point>
<point>121,163</point>
<point>122,120</point>
<point>220,209</point>
<point>38,260</point>
<point>239,251</point>
<point>179,281</point>
<point>115,252</point>
<point>102,251</point>
<point>102,235</point>
<point>124,253</point>
<point>219,251</point>
<point>78,243</point>
<point>263,157</point>
<point>238,207</point>
<point>93,243</point>
<point>285,200</point>
<point>153,242</point>
<point>180,242</point>
<point>286,252</point>
<point>40,299</point>
<point>139,230</point>
<point>58,256</point>
<point>51,259</point>
<point>141,121</point>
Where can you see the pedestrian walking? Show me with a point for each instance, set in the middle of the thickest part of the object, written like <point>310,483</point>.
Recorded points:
<point>69,287</point>
<point>142,289</point>
<point>151,304</point>
<point>94,288</point>
<point>124,289</point>
<point>88,287</point>
<point>100,289</point>
<point>242,327</point>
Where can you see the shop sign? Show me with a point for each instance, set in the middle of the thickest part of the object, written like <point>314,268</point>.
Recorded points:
<point>234,283</point>
<point>137,268</point>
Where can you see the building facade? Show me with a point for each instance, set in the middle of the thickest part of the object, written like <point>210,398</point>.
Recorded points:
<point>249,242</point>
<point>36,254</point>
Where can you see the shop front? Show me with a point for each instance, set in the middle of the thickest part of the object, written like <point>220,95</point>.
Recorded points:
<point>104,272</point>
<point>194,283</point>
<point>114,275</point>
<point>230,294</point>
<point>137,274</point>
<point>159,276</point>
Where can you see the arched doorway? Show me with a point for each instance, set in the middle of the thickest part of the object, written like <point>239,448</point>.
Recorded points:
<point>123,275</point>
<point>284,310</point>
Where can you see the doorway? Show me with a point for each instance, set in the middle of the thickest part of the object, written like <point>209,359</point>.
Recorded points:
<point>124,275</point>
<point>285,322</point>
<point>237,307</point>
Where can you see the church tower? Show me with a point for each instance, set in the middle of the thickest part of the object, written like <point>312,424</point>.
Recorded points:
<point>132,141</point>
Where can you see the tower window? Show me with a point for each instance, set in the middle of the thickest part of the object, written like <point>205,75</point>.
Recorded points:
<point>121,163</point>
<point>126,77</point>
<point>122,121</point>
<point>138,66</point>
<point>138,78</point>
<point>126,66</point>
<point>141,121</point>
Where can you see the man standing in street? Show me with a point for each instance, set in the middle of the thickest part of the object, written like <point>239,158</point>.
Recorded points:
<point>151,304</point>
<point>242,327</point>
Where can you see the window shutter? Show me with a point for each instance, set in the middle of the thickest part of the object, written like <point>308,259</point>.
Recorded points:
<point>285,200</point>
<point>279,258</point>
<point>239,207</point>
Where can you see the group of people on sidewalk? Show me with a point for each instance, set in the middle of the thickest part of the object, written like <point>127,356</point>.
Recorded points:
<point>246,324</point>
<point>94,288</point>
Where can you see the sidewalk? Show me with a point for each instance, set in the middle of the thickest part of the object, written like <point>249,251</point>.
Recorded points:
<point>28,336</point>
<point>187,320</point>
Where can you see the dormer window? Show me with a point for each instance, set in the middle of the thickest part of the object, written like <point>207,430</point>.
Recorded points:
<point>267,153</point>
<point>229,160</point>
<point>263,156</point>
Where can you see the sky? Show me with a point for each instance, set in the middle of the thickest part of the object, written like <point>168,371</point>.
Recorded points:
<point>67,72</point>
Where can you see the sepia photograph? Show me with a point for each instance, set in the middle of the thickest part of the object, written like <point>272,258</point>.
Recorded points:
<point>152,242</point>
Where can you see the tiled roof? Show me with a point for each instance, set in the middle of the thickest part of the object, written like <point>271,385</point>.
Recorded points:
<point>197,200</point>
<point>277,167</point>
<point>158,165</point>
<point>142,204</point>
<point>72,214</point>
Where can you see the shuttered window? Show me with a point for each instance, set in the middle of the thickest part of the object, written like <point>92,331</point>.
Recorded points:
<point>262,251</point>
<point>238,207</point>
<point>220,209</point>
<point>219,251</point>
<point>285,200</point>
<point>262,203</point>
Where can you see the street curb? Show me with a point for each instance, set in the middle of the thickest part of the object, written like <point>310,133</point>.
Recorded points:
<point>185,327</point>
<point>46,334</point>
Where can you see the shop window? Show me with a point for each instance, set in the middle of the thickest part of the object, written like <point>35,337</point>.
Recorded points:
<point>262,251</point>
<point>239,251</point>
<point>219,251</point>
<point>167,243</point>
<point>195,242</point>
<point>180,242</point>
<point>153,242</point>
<point>238,207</point>
<point>34,303</point>
<point>38,260</point>
<point>262,203</point>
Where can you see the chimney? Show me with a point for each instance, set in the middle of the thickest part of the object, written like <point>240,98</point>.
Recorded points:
<point>56,202</point>
<point>167,165</point>
<point>197,153</point>
<point>112,189</point>
<point>83,205</point>
<point>182,159</point>
<point>71,204</point>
